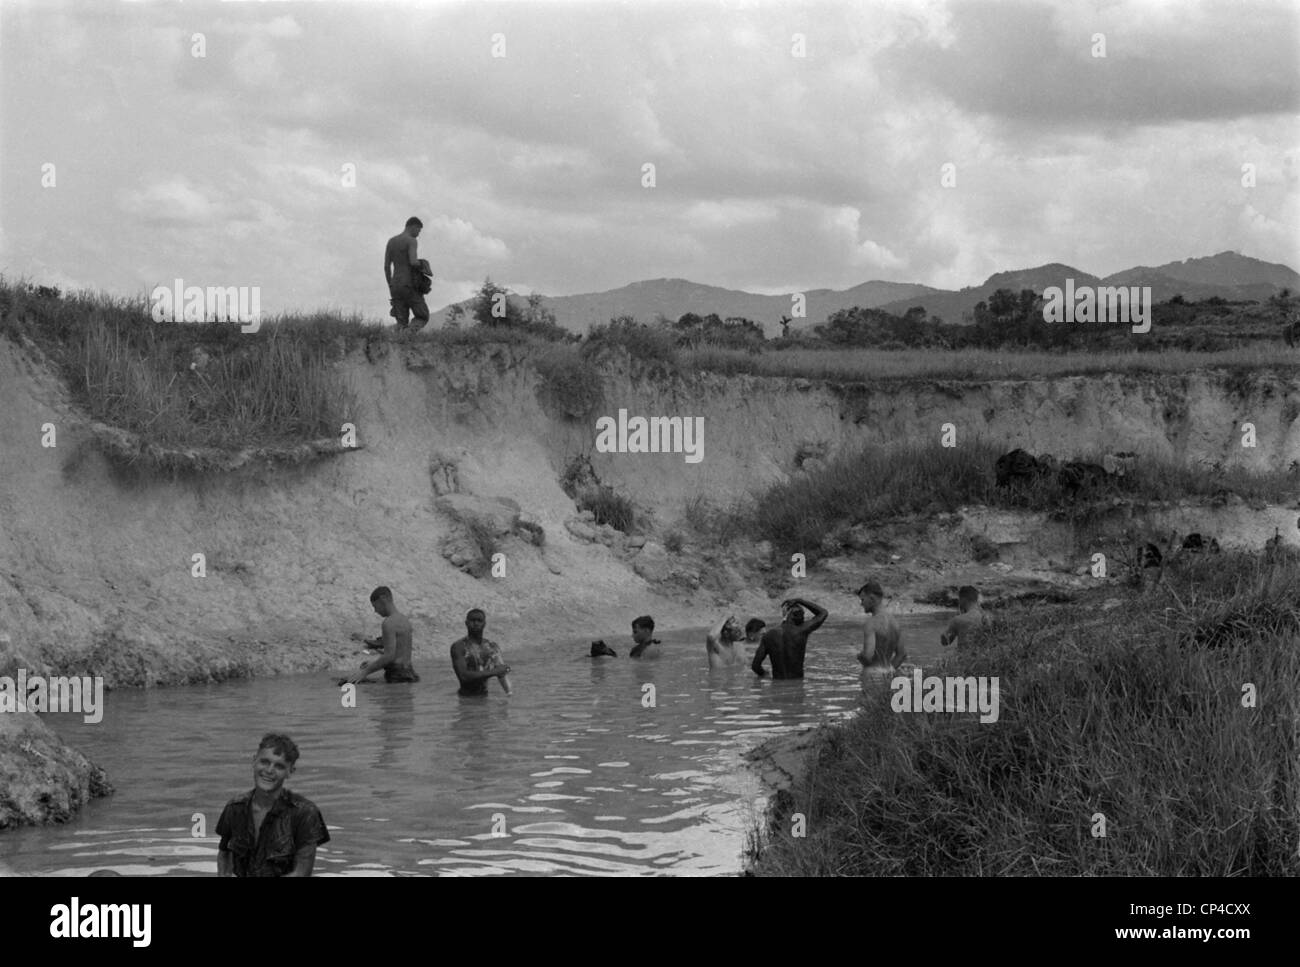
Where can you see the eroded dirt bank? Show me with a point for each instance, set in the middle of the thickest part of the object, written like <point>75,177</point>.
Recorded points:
<point>97,561</point>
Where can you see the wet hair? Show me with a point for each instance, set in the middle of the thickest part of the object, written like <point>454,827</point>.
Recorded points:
<point>381,592</point>
<point>281,745</point>
<point>871,587</point>
<point>414,221</point>
<point>968,592</point>
<point>473,611</point>
<point>754,624</point>
<point>645,621</point>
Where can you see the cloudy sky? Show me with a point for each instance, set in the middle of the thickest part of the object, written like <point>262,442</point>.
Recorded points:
<point>773,172</point>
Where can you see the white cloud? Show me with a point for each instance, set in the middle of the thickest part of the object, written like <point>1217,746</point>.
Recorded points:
<point>171,200</point>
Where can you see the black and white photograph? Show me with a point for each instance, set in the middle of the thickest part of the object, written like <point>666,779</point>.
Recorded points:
<point>841,439</point>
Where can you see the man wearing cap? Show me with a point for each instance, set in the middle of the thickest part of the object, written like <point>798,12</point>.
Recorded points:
<point>786,645</point>
<point>882,639</point>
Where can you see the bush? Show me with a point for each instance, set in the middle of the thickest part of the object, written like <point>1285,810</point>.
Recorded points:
<point>654,345</point>
<point>609,507</point>
<point>569,383</point>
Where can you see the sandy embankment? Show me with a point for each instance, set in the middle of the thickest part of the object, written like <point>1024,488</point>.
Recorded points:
<point>97,570</point>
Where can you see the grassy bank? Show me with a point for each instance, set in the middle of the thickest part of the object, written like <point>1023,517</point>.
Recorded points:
<point>191,385</point>
<point>872,365</point>
<point>878,484</point>
<point>1135,714</point>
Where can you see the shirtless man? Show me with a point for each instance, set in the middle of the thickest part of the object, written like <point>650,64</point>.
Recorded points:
<point>882,639</point>
<point>476,659</point>
<point>786,645</point>
<point>964,629</point>
<point>643,629</point>
<point>394,639</point>
<point>401,259</point>
<point>723,644</point>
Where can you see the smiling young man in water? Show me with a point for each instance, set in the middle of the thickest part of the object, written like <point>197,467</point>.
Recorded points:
<point>786,645</point>
<point>394,639</point>
<point>270,831</point>
<point>476,659</point>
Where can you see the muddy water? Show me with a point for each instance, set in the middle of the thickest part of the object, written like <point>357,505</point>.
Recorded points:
<point>569,775</point>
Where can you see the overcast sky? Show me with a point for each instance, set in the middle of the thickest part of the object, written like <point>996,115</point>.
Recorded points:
<point>774,173</point>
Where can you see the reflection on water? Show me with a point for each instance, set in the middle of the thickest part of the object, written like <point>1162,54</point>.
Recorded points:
<point>570,774</point>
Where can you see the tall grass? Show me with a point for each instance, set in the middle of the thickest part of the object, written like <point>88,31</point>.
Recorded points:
<point>876,484</point>
<point>1137,715</point>
<point>609,507</point>
<point>191,385</point>
<point>853,365</point>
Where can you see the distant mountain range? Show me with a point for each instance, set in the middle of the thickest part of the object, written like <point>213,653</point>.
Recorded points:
<point>1227,275</point>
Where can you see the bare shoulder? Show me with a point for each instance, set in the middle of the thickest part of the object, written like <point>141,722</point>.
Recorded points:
<point>457,646</point>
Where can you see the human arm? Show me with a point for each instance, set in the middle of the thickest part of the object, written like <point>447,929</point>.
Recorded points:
<point>820,614</point>
<point>759,655</point>
<point>900,650</point>
<point>868,652</point>
<point>468,675</point>
<point>389,640</point>
<point>309,831</point>
<point>225,858</point>
<point>637,650</point>
<point>713,640</point>
<point>303,860</point>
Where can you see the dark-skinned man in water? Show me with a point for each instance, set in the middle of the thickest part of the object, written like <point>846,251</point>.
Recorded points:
<point>476,659</point>
<point>786,644</point>
<point>394,642</point>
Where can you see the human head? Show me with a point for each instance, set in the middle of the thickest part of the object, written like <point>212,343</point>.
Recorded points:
<point>475,620</point>
<point>381,599</point>
<point>753,628</point>
<point>413,226</point>
<point>274,762</point>
<point>871,595</point>
<point>967,597</point>
<point>791,612</point>
<point>731,629</point>
<point>642,628</point>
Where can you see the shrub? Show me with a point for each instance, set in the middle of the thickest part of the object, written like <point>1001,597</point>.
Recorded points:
<point>654,345</point>
<point>569,383</point>
<point>609,507</point>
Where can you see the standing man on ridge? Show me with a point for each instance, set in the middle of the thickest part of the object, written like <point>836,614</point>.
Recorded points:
<point>401,260</point>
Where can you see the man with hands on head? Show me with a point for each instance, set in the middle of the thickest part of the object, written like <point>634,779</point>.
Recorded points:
<point>786,644</point>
